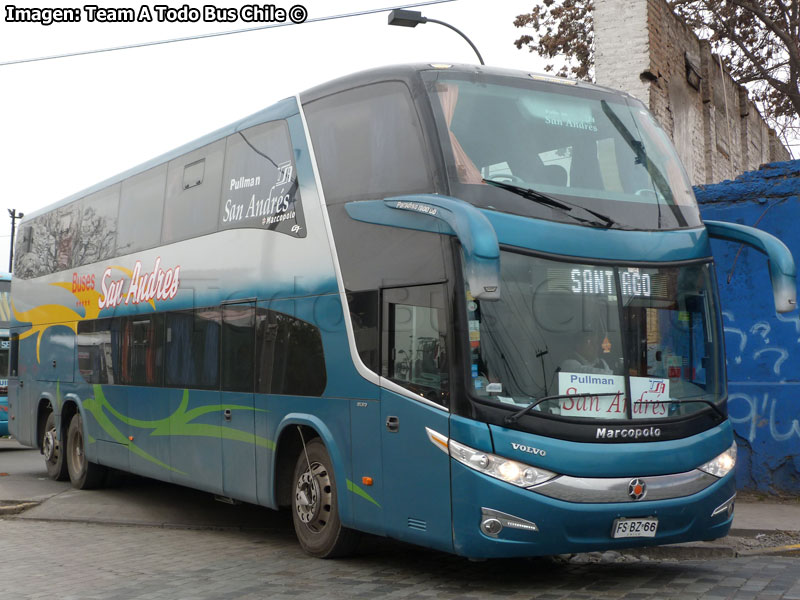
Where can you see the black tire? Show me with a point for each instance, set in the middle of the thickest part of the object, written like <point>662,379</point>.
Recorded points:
<point>315,506</point>
<point>52,450</point>
<point>83,474</point>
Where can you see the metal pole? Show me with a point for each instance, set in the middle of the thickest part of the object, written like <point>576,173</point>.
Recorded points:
<point>12,212</point>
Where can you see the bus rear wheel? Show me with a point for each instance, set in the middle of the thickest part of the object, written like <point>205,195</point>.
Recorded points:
<point>315,507</point>
<point>52,450</point>
<point>83,474</point>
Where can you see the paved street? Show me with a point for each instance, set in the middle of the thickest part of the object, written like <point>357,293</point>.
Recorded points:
<point>86,561</point>
<point>129,542</point>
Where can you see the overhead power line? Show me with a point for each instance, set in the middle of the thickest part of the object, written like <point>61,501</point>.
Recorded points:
<point>220,33</point>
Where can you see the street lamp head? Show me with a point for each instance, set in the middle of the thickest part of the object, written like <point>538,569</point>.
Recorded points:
<point>406,18</point>
<point>412,18</point>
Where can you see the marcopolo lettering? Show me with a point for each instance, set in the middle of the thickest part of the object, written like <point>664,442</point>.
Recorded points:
<point>631,433</point>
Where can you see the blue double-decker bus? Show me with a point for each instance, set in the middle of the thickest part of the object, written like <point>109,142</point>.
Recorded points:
<point>5,318</point>
<point>468,308</point>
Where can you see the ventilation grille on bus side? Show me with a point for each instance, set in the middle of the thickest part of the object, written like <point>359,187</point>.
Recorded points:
<point>417,524</point>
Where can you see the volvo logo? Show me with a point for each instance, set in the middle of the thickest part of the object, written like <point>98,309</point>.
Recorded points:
<point>637,489</point>
<point>528,449</point>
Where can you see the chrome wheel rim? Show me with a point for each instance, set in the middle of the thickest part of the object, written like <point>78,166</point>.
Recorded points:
<point>77,452</point>
<point>313,496</point>
<point>50,445</point>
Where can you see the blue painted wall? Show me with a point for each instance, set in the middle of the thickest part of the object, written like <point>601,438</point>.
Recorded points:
<point>762,347</point>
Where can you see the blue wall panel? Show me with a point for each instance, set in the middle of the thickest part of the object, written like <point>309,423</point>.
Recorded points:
<point>762,347</point>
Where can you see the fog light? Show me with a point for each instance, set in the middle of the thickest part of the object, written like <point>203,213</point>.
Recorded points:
<point>725,507</point>
<point>493,522</point>
<point>491,527</point>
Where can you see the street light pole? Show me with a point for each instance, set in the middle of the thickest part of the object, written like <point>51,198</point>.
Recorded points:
<point>12,212</point>
<point>412,18</point>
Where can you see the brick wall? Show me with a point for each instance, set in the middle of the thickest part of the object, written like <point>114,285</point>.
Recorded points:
<point>645,50</point>
<point>622,37</point>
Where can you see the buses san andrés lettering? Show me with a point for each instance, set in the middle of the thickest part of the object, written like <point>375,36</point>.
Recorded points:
<point>158,284</point>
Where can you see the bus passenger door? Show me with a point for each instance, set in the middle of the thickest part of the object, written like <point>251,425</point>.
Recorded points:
<point>416,473</point>
<point>236,401</point>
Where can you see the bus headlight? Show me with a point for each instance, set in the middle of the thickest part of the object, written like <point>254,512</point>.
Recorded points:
<point>723,464</point>
<point>507,470</point>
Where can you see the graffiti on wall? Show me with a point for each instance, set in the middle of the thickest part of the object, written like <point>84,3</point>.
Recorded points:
<point>762,402</point>
<point>761,413</point>
<point>759,331</point>
<point>762,347</point>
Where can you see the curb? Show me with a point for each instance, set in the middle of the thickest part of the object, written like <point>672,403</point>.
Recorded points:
<point>792,550</point>
<point>13,508</point>
<point>689,551</point>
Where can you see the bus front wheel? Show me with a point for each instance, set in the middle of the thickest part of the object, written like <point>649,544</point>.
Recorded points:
<point>83,474</point>
<point>52,450</point>
<point>315,507</point>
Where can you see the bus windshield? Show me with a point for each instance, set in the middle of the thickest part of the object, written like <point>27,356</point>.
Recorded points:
<point>583,146</point>
<point>594,336</point>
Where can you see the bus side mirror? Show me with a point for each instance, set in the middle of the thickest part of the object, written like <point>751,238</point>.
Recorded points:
<point>782,270</point>
<point>443,214</point>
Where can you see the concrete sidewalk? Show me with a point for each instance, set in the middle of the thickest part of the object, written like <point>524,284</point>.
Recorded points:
<point>764,516</point>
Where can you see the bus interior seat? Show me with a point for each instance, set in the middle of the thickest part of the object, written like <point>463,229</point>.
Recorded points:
<point>584,171</point>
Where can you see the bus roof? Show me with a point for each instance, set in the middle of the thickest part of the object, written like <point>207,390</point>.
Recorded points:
<point>288,107</point>
<point>406,72</point>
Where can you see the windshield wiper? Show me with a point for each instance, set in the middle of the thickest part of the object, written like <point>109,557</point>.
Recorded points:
<point>642,158</point>
<point>510,419</point>
<point>515,417</point>
<point>544,199</point>
<point>694,399</point>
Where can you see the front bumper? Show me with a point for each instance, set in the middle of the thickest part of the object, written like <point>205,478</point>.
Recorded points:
<point>568,527</point>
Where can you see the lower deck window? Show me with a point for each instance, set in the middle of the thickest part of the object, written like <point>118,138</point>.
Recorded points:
<point>238,348</point>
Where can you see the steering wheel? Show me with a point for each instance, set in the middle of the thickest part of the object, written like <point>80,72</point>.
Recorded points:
<point>645,192</point>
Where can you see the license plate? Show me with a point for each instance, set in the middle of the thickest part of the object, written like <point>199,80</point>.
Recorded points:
<point>634,528</point>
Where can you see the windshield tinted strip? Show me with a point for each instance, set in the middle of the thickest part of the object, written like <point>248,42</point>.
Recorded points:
<point>609,263</point>
<point>599,244</point>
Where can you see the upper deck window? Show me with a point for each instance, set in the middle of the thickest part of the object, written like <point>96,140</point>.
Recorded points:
<point>259,183</point>
<point>368,143</point>
<point>5,303</point>
<point>192,193</point>
<point>141,208</point>
<point>585,147</point>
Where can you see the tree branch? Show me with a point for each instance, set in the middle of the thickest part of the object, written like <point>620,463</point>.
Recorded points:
<point>732,37</point>
<point>771,25</point>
